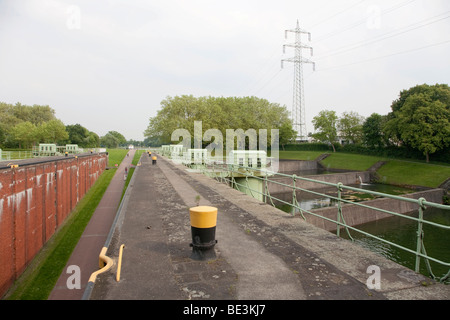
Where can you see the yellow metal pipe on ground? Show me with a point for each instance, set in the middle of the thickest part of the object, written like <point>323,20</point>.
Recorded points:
<point>105,263</point>
<point>119,265</point>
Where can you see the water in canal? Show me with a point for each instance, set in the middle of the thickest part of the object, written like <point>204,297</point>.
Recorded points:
<point>395,229</point>
<point>404,232</point>
<point>309,201</point>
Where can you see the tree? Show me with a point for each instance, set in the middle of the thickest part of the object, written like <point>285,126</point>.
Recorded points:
<point>92,140</point>
<point>372,131</point>
<point>350,126</point>
<point>326,123</point>
<point>420,118</point>
<point>53,131</point>
<point>7,122</point>
<point>25,134</point>
<point>35,114</point>
<point>424,124</point>
<point>220,113</point>
<point>120,138</point>
<point>109,141</point>
<point>287,134</point>
<point>77,134</point>
<point>12,115</point>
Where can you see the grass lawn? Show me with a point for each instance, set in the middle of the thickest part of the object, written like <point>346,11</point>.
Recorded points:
<point>350,161</point>
<point>334,160</point>
<point>397,172</point>
<point>116,156</point>
<point>300,155</point>
<point>413,173</point>
<point>37,282</point>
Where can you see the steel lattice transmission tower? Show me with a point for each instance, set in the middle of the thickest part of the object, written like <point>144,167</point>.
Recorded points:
<point>298,104</point>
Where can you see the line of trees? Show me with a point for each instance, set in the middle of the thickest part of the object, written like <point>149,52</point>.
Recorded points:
<point>218,113</point>
<point>420,120</point>
<point>23,126</point>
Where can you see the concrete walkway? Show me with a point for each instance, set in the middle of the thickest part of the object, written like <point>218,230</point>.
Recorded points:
<point>85,254</point>
<point>262,253</point>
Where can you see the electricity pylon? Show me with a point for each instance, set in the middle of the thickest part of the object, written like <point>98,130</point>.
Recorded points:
<point>298,103</point>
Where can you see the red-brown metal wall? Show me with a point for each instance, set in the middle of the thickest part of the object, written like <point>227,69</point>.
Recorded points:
<point>34,201</point>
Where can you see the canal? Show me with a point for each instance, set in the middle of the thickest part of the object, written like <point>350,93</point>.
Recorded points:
<point>395,229</point>
<point>309,201</point>
<point>403,231</point>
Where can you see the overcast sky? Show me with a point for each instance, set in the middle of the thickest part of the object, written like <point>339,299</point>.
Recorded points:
<point>107,65</point>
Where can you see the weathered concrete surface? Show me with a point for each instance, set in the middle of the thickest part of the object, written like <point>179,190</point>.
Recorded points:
<point>295,166</point>
<point>262,252</point>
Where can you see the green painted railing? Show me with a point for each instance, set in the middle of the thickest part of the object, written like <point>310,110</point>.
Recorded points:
<point>228,174</point>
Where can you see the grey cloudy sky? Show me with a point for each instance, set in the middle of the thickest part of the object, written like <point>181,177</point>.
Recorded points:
<point>108,64</point>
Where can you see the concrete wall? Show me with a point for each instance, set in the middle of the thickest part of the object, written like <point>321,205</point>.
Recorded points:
<point>347,178</point>
<point>355,215</point>
<point>293,166</point>
<point>35,199</point>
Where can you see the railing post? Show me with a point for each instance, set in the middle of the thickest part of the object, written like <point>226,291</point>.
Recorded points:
<point>265,187</point>
<point>232,176</point>
<point>419,233</point>
<point>294,195</point>
<point>339,213</point>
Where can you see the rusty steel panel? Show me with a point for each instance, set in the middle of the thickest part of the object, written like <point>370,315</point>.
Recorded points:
<point>20,220</point>
<point>7,274</point>
<point>34,200</point>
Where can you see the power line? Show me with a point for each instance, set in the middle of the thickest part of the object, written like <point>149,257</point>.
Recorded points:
<point>336,14</point>
<point>262,72</point>
<point>268,81</point>
<point>384,36</point>
<point>362,21</point>
<point>386,56</point>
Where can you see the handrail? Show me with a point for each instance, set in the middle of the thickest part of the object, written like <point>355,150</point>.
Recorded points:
<point>233,170</point>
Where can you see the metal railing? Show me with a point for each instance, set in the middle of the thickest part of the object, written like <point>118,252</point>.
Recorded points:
<point>15,155</point>
<point>229,173</point>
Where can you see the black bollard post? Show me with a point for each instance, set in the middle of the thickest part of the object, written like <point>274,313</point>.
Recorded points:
<point>203,229</point>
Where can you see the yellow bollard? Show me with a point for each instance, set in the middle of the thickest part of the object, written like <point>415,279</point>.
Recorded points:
<point>203,229</point>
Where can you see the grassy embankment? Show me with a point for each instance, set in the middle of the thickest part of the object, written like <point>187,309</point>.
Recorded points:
<point>37,282</point>
<point>397,172</point>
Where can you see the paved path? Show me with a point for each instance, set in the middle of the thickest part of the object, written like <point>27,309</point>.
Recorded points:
<point>85,254</point>
<point>262,253</point>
